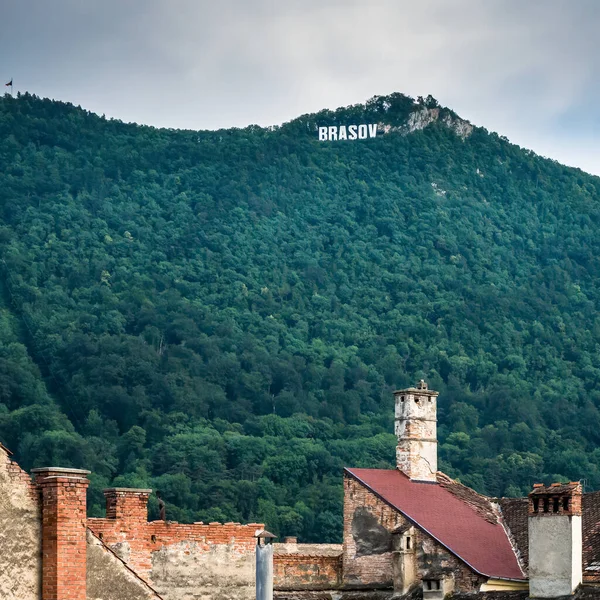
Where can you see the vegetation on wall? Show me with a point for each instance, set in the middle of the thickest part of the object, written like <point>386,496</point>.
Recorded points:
<point>223,316</point>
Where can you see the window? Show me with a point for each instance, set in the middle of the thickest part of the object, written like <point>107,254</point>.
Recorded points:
<point>536,504</point>
<point>565,503</point>
<point>555,504</point>
<point>431,585</point>
<point>408,543</point>
<point>546,505</point>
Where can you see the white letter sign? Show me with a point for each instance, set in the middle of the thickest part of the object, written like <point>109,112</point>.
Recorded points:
<point>333,133</point>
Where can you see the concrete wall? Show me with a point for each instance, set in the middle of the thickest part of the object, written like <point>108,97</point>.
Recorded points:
<point>20,533</point>
<point>109,579</point>
<point>555,555</point>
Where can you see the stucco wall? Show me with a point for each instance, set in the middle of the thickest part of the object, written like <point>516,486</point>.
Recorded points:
<point>187,571</point>
<point>20,533</point>
<point>109,579</point>
<point>554,555</point>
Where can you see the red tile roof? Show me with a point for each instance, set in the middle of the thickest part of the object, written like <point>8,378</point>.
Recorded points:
<point>456,523</point>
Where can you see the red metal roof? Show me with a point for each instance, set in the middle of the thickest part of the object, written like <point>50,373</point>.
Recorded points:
<point>466,532</point>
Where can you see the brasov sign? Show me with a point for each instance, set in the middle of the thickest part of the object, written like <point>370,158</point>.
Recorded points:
<point>351,132</point>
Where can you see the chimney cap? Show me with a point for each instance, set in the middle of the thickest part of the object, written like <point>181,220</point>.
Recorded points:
<point>128,490</point>
<point>60,471</point>
<point>421,388</point>
<point>264,534</point>
<point>556,489</point>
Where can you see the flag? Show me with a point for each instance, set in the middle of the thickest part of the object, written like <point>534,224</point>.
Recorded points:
<point>8,84</point>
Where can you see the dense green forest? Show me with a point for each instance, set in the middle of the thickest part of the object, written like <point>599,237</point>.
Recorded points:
<point>223,315</point>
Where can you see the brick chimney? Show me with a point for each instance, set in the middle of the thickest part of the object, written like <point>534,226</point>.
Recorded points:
<point>555,540</point>
<point>127,504</point>
<point>416,430</point>
<point>64,548</point>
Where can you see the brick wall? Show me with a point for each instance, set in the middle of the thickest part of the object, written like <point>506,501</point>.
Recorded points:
<point>301,572</point>
<point>20,532</point>
<point>368,558</point>
<point>180,561</point>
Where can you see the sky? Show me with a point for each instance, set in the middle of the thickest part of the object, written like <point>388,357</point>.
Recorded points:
<point>527,69</point>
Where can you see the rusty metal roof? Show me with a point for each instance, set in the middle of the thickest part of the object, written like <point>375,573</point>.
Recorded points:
<point>450,518</point>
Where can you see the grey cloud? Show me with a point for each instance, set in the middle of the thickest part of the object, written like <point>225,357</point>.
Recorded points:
<point>528,69</point>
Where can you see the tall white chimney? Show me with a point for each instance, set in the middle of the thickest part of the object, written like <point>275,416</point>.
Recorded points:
<point>416,430</point>
<point>555,540</point>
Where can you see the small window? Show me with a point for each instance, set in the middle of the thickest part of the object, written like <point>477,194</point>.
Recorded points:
<point>555,504</point>
<point>546,505</point>
<point>101,536</point>
<point>432,584</point>
<point>416,400</point>
<point>153,539</point>
<point>536,505</point>
<point>565,503</point>
<point>408,543</point>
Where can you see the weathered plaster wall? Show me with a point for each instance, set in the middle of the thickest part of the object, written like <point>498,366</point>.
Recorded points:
<point>554,555</point>
<point>20,533</point>
<point>369,558</point>
<point>109,579</point>
<point>188,570</point>
<point>185,562</point>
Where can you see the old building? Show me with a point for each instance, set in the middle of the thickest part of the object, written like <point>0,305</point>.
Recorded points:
<point>409,532</point>
<point>414,532</point>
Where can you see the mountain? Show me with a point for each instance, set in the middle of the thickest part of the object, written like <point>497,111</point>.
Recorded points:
<point>223,315</point>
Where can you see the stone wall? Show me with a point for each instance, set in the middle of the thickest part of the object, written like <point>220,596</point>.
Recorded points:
<point>370,557</point>
<point>20,533</point>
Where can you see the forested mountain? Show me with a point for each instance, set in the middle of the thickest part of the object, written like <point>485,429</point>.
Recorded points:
<point>223,315</point>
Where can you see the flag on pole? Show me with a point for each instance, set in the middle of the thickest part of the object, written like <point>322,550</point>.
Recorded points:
<point>9,83</point>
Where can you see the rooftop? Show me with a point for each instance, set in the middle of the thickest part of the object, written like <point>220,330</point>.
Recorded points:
<point>457,517</point>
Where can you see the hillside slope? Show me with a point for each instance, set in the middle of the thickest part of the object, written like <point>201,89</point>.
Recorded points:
<point>223,315</point>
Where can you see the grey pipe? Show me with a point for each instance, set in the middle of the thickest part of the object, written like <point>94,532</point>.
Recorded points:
<point>264,572</point>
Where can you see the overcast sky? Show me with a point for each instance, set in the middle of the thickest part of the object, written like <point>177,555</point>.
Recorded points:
<point>528,69</point>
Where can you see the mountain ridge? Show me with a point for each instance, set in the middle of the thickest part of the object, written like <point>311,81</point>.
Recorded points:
<point>223,315</point>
